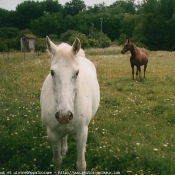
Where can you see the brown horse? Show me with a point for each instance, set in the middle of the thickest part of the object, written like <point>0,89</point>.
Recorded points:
<point>139,57</point>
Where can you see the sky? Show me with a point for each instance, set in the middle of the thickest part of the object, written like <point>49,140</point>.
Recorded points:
<point>11,4</point>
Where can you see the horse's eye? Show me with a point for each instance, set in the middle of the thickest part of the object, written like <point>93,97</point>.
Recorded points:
<point>76,74</point>
<point>52,72</point>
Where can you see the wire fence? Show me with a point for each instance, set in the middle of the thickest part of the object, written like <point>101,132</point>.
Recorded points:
<point>17,54</point>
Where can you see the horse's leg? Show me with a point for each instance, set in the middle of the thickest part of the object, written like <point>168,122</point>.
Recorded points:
<point>64,146</point>
<point>139,69</point>
<point>81,149</point>
<point>56,147</point>
<point>57,159</point>
<point>145,66</point>
<point>132,66</point>
<point>137,72</point>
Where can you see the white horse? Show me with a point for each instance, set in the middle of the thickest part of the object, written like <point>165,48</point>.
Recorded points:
<point>70,97</point>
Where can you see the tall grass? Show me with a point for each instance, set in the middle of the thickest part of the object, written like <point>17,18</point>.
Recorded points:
<point>132,132</point>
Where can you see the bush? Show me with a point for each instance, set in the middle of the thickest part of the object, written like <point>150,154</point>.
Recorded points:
<point>70,36</point>
<point>97,40</point>
<point>104,41</point>
<point>40,44</point>
<point>64,37</point>
<point>122,39</point>
<point>9,32</point>
<point>94,43</point>
<point>3,46</point>
<point>83,39</point>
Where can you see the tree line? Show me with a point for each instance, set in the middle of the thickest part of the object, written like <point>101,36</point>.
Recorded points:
<point>150,23</point>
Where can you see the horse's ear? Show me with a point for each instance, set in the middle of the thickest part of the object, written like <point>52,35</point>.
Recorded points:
<point>128,40</point>
<point>52,48</point>
<point>76,46</point>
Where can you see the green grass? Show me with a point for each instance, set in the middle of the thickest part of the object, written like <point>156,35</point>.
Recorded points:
<point>132,132</point>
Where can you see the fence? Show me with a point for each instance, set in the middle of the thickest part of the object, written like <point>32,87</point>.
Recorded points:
<point>23,55</point>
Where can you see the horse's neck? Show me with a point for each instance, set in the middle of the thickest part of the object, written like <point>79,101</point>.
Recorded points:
<point>134,50</point>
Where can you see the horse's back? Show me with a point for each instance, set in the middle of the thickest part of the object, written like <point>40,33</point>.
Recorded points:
<point>144,51</point>
<point>143,57</point>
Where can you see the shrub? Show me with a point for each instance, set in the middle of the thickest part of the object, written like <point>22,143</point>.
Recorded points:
<point>97,40</point>
<point>104,41</point>
<point>40,44</point>
<point>3,46</point>
<point>122,39</point>
<point>64,37</point>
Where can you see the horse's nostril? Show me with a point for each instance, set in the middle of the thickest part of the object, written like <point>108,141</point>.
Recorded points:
<point>64,117</point>
<point>70,116</point>
<point>57,115</point>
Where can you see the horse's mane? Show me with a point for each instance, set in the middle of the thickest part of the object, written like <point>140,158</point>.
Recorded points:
<point>140,48</point>
<point>64,50</point>
<point>81,53</point>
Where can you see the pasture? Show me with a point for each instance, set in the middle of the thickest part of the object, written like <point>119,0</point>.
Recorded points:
<point>133,132</point>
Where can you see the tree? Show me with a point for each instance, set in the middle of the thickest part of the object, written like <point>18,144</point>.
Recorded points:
<point>8,37</point>
<point>97,8</point>
<point>167,8</point>
<point>128,24</point>
<point>112,25</point>
<point>74,7</point>
<point>156,25</point>
<point>51,6</point>
<point>31,10</point>
<point>154,31</point>
<point>9,32</point>
<point>149,24</point>
<point>170,37</point>
<point>47,24</point>
<point>150,6</point>
<point>122,6</point>
<point>27,11</point>
<point>6,18</point>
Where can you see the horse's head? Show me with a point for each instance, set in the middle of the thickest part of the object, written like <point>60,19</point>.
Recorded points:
<point>127,46</point>
<point>65,74</point>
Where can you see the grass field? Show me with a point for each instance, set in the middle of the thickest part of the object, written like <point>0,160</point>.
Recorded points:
<point>133,132</point>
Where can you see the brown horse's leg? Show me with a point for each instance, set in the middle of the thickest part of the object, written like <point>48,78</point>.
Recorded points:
<point>132,66</point>
<point>137,72</point>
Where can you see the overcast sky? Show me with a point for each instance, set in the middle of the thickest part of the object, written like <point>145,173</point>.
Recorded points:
<point>11,4</point>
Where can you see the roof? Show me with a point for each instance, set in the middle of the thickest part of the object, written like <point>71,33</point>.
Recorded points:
<point>30,36</point>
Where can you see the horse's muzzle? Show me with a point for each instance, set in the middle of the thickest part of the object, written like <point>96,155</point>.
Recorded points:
<point>122,52</point>
<point>64,117</point>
